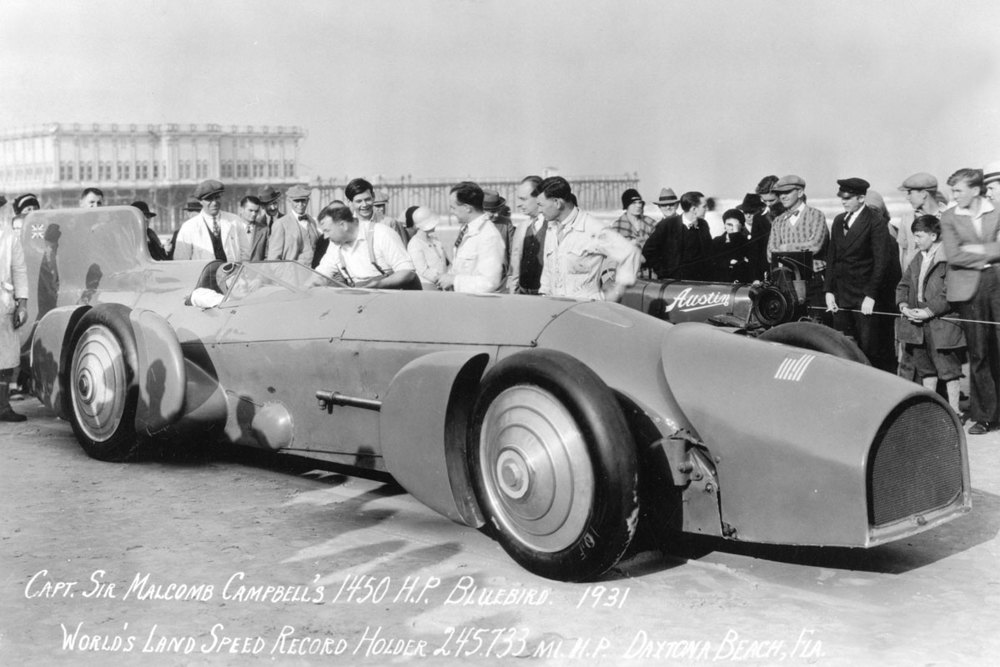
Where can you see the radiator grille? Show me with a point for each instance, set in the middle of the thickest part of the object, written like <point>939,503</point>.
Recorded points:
<point>915,464</point>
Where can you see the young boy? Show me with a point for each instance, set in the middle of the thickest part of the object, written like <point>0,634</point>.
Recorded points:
<point>934,345</point>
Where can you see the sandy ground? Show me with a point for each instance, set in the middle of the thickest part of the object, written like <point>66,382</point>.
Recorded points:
<point>238,559</point>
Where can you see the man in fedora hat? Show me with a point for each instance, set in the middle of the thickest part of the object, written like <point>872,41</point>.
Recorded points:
<point>212,234</point>
<point>858,271</point>
<point>667,202</point>
<point>294,235</point>
<point>759,227</point>
<point>633,224</point>
<point>270,200</point>
<point>156,250</point>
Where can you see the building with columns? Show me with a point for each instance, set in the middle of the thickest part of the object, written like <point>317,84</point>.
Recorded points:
<point>159,164</point>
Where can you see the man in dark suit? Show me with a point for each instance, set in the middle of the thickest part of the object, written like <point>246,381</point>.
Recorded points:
<point>969,236</point>
<point>759,227</point>
<point>857,267</point>
<point>680,247</point>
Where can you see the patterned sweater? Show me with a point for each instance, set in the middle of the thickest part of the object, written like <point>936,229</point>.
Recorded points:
<point>808,233</point>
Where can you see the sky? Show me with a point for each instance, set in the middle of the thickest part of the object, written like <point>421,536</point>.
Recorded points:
<point>705,95</point>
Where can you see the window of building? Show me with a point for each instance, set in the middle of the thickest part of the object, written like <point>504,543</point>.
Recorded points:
<point>226,169</point>
<point>156,169</point>
<point>289,168</point>
<point>273,169</point>
<point>258,168</point>
<point>65,171</point>
<point>87,171</point>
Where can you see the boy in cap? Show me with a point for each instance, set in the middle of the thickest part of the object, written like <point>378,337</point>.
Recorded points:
<point>857,270</point>
<point>931,345</point>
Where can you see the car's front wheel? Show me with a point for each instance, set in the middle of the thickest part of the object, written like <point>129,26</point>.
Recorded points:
<point>103,389</point>
<point>553,465</point>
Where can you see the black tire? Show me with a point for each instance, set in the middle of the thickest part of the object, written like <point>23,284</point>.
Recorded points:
<point>818,338</point>
<point>102,385</point>
<point>553,465</point>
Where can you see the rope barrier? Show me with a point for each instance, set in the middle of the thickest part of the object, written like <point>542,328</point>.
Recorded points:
<point>946,319</point>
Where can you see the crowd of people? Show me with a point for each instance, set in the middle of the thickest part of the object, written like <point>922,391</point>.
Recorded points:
<point>938,266</point>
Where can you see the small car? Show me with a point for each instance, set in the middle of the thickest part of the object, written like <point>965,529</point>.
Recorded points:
<point>548,423</point>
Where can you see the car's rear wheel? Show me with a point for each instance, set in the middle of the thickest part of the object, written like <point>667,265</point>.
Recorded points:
<point>553,465</point>
<point>103,389</point>
<point>818,338</point>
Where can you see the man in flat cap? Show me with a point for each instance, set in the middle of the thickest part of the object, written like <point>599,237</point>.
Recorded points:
<point>294,235</point>
<point>969,236</point>
<point>633,224</point>
<point>212,234</point>
<point>800,228</point>
<point>922,193</point>
<point>857,270</point>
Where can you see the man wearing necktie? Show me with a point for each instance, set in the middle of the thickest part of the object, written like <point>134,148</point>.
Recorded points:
<point>479,248</point>
<point>212,234</point>
<point>857,269</point>
<point>294,235</point>
<point>527,248</point>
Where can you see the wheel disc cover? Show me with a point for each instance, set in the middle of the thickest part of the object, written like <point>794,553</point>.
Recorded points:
<point>97,383</point>
<point>537,471</point>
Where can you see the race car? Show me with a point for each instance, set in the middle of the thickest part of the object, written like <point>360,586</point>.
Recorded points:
<point>548,423</point>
